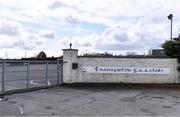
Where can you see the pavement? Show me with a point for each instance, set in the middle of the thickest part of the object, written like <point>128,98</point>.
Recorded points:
<point>94,100</point>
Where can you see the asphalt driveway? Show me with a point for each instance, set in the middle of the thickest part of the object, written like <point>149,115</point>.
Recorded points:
<point>94,100</point>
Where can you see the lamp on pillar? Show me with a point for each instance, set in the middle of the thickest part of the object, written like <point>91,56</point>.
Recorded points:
<point>170,17</point>
<point>70,45</point>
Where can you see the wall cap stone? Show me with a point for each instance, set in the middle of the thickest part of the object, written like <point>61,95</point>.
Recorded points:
<point>70,49</point>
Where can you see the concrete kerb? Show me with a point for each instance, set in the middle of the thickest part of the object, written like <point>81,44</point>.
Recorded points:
<point>124,85</point>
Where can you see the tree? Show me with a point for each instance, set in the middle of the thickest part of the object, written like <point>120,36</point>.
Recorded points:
<point>172,48</point>
<point>41,55</point>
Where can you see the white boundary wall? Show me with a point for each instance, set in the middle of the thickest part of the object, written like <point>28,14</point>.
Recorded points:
<point>112,70</point>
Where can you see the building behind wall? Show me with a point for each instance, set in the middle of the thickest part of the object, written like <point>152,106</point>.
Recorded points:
<point>157,52</point>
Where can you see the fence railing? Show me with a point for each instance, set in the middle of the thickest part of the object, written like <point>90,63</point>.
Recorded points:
<point>16,74</point>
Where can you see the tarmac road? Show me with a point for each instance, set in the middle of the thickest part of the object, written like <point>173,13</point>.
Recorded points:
<point>94,100</point>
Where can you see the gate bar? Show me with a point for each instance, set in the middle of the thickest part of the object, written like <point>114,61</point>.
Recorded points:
<point>3,76</point>
<point>57,72</point>
<point>46,73</point>
<point>27,85</point>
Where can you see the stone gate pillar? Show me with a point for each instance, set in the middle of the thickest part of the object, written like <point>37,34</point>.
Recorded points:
<point>69,67</point>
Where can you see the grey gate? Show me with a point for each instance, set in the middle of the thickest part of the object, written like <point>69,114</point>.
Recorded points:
<point>17,75</point>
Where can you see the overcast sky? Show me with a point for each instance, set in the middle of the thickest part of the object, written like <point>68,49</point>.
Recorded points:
<point>116,26</point>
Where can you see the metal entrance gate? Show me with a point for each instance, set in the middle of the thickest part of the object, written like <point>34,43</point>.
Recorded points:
<point>25,75</point>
